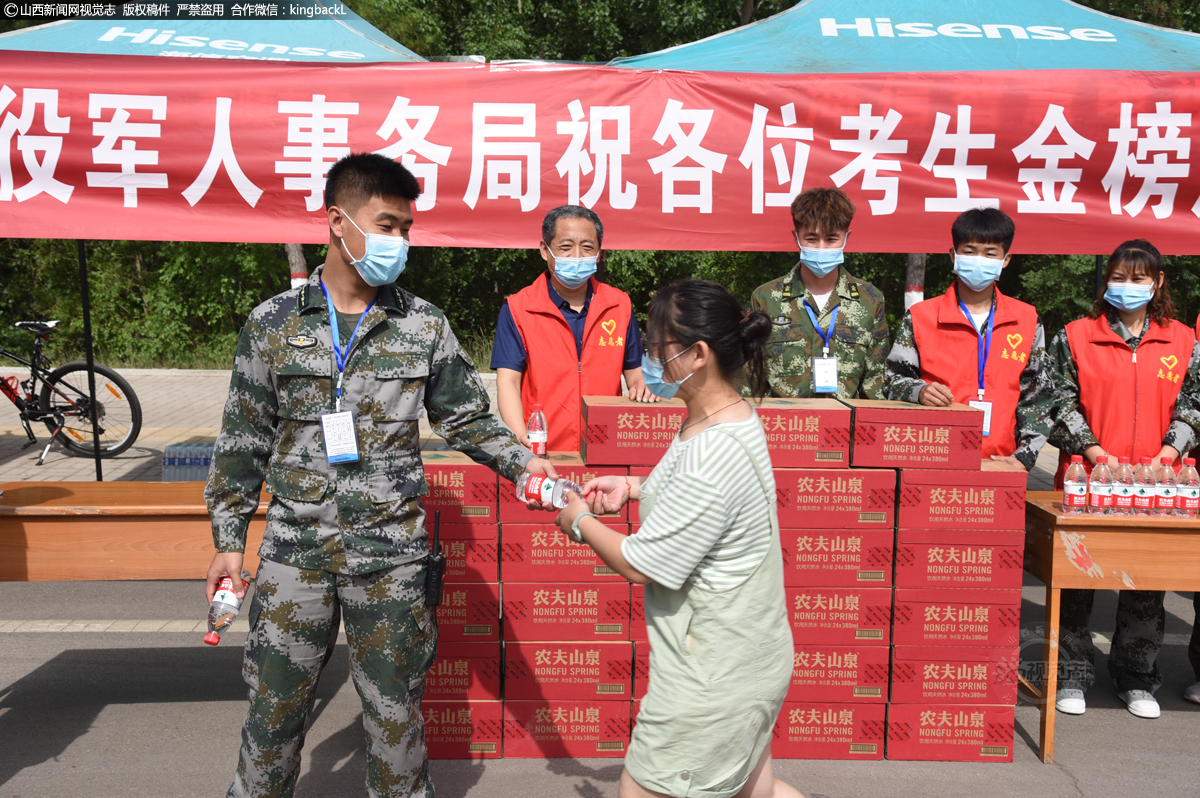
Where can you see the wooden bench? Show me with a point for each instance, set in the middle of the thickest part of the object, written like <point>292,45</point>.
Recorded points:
<point>59,531</point>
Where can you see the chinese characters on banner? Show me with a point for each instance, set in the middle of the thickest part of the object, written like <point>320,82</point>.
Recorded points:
<point>239,152</point>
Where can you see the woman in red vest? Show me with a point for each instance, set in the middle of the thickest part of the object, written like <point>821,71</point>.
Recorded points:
<point>1125,386</point>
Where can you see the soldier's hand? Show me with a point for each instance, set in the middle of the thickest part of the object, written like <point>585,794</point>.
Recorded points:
<point>1008,459</point>
<point>638,392</point>
<point>936,395</point>
<point>541,467</point>
<point>225,564</point>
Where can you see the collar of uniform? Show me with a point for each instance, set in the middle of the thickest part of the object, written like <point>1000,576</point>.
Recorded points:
<point>561,303</point>
<point>1150,330</point>
<point>798,291</point>
<point>390,297</point>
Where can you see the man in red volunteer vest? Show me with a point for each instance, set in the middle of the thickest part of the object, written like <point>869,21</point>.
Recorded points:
<point>974,345</point>
<point>567,335</point>
<point>1125,386</point>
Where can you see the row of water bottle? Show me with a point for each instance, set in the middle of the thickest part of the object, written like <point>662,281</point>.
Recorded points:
<point>1128,491</point>
<point>186,462</point>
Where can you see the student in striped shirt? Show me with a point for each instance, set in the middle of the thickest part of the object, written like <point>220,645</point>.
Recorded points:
<point>708,552</point>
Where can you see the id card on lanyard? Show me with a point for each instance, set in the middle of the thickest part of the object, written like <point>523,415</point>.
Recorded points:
<point>824,368</point>
<point>985,348</point>
<point>338,429</point>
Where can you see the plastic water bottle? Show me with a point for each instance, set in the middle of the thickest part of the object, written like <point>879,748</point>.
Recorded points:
<point>1100,488</point>
<point>533,488</point>
<point>1122,483</point>
<point>1144,488</point>
<point>1075,487</point>
<point>1165,488</point>
<point>1188,502</point>
<point>537,431</point>
<point>166,463</point>
<point>224,608</point>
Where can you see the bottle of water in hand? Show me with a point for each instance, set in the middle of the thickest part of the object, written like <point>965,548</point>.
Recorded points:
<point>1187,501</point>
<point>1122,488</point>
<point>533,488</point>
<point>1165,488</point>
<point>1100,488</point>
<point>224,608</point>
<point>1075,487</point>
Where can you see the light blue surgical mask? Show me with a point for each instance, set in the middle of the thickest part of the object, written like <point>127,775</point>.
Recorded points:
<point>574,272</point>
<point>820,261</point>
<point>1128,296</point>
<point>652,374</point>
<point>976,271</point>
<point>384,258</point>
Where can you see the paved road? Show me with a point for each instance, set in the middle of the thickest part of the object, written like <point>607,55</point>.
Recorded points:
<point>157,713</point>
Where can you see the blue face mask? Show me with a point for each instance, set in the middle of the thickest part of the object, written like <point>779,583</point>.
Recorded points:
<point>574,272</point>
<point>1128,296</point>
<point>652,373</point>
<point>384,258</point>
<point>820,261</point>
<point>976,271</point>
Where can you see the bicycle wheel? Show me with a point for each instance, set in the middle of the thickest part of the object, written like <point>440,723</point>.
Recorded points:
<point>117,409</point>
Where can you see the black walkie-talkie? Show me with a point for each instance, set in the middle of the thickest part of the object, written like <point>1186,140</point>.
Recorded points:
<point>435,565</point>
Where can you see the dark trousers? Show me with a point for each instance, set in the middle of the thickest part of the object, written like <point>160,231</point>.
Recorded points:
<point>1194,645</point>
<point>1141,620</point>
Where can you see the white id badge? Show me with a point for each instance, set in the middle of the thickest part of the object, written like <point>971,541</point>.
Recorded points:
<point>986,407</point>
<point>341,439</point>
<point>825,375</point>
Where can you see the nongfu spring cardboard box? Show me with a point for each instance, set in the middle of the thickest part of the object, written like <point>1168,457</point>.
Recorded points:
<point>840,674</point>
<point>463,490</point>
<point>566,611</point>
<point>463,729</point>
<point>957,558</point>
<point>837,557</point>
<point>806,433</point>
<point>991,498</point>
<point>950,732</point>
<point>830,498</point>
<point>829,731</point>
<point>593,670</point>
<point>903,435</point>
<point>464,672</point>
<point>619,431</point>
<point>566,729</point>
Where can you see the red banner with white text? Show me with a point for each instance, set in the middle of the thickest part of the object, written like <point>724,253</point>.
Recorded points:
<point>109,147</point>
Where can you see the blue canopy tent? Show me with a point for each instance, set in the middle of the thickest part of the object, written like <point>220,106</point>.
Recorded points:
<point>337,36</point>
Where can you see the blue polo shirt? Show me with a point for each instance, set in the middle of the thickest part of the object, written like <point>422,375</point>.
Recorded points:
<point>508,351</point>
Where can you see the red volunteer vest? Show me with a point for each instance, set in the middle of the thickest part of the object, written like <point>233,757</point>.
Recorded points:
<point>554,375</point>
<point>948,345</point>
<point>1127,403</point>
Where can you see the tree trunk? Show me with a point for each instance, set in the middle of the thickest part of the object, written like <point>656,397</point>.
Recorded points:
<point>296,264</point>
<point>746,15</point>
<point>914,281</point>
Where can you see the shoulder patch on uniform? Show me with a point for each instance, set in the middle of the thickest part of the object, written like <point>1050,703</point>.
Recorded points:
<point>853,291</point>
<point>301,341</point>
<point>781,320</point>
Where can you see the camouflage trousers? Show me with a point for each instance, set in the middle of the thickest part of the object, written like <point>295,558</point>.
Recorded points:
<point>293,628</point>
<point>1141,620</point>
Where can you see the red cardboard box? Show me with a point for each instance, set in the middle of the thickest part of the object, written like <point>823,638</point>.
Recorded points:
<point>950,733</point>
<point>462,489</point>
<point>559,729</point>
<point>852,616</point>
<point>829,731</point>
<point>620,431</point>
<point>542,552</point>
<point>954,675</point>
<point>837,557</point>
<point>463,672</point>
<point>566,611</point>
<point>841,674</point>
<point>591,671</point>
<point>637,615</point>
<point>820,498</point>
<point>903,435</point>
<point>960,559</point>
<point>469,612</point>
<point>463,729</point>
<point>569,465</point>
<point>993,498</point>
<point>637,707</point>
<point>806,433</point>
<point>641,669</point>
<point>472,552</point>
<point>942,617</point>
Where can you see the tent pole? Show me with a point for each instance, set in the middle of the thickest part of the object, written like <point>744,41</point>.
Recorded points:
<point>87,348</point>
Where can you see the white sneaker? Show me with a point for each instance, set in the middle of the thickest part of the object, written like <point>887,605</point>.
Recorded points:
<point>1193,693</point>
<point>1140,703</point>
<point>1070,701</point>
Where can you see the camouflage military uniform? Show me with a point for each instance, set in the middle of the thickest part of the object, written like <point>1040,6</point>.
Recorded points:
<point>1035,407</point>
<point>347,539</point>
<point>860,338</point>
<point>1141,616</point>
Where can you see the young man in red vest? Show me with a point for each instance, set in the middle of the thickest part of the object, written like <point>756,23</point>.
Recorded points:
<point>974,345</point>
<point>567,335</point>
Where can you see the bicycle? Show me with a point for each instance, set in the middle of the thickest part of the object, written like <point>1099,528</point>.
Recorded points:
<point>63,403</point>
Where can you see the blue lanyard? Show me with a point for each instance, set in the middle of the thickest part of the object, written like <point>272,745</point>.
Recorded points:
<point>825,336</point>
<point>985,340</point>
<point>339,355</point>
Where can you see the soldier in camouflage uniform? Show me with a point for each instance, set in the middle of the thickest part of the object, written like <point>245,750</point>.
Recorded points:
<point>347,540</point>
<point>1096,374</point>
<point>859,339</point>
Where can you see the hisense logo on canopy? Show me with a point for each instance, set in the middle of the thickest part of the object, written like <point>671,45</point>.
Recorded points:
<point>884,27</point>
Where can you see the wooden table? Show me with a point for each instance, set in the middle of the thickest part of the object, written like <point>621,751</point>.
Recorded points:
<point>109,530</point>
<point>1100,553</point>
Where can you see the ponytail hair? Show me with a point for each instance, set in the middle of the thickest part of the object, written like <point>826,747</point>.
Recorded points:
<point>690,311</point>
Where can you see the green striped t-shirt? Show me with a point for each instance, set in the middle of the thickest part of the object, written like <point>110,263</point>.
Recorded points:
<point>710,521</point>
